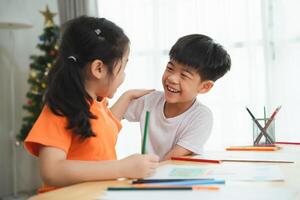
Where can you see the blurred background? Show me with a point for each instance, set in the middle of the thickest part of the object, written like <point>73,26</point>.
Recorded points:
<point>262,37</point>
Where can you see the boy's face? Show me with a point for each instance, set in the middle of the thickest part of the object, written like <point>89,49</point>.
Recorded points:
<point>182,84</point>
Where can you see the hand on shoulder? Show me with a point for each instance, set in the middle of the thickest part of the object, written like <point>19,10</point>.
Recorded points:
<point>137,93</point>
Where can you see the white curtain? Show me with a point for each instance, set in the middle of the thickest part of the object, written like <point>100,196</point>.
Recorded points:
<point>69,9</point>
<point>284,68</point>
<point>242,27</point>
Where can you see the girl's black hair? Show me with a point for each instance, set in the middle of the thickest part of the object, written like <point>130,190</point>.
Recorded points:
<point>84,39</point>
<point>201,53</point>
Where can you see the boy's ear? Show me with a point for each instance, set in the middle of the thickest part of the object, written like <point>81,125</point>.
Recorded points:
<point>98,69</point>
<point>205,86</point>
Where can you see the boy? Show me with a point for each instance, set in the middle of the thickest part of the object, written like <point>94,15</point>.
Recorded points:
<point>179,125</point>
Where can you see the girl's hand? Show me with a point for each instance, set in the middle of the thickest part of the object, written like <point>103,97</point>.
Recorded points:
<point>120,107</point>
<point>136,93</point>
<point>138,166</point>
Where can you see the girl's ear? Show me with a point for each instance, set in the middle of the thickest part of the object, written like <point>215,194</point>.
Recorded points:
<point>98,69</point>
<point>205,86</point>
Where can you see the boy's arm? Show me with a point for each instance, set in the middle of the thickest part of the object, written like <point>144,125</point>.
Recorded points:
<point>177,151</point>
<point>121,105</point>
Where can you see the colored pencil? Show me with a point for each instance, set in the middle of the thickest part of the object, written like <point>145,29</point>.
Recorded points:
<point>263,131</point>
<point>146,181</point>
<point>293,143</point>
<point>252,148</point>
<point>261,145</point>
<point>147,188</point>
<point>258,161</point>
<point>196,160</point>
<point>265,118</point>
<point>191,183</point>
<point>145,132</point>
<point>198,187</point>
<point>267,124</point>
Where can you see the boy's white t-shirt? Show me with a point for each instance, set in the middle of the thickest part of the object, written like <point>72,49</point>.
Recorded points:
<point>189,130</point>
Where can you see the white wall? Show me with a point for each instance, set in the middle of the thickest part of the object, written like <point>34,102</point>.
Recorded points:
<point>15,48</point>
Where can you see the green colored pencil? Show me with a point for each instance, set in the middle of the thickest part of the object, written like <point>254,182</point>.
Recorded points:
<point>145,132</point>
<point>265,118</point>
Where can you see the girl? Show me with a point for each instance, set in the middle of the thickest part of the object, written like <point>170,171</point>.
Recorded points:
<point>75,134</point>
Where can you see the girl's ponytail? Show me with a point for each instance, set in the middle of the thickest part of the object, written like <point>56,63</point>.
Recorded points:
<point>67,97</point>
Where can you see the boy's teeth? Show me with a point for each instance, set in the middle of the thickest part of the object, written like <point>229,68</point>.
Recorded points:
<point>172,90</point>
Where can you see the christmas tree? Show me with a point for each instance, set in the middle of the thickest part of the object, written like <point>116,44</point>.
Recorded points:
<point>39,69</point>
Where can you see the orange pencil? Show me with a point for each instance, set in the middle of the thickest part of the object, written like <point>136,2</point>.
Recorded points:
<point>254,148</point>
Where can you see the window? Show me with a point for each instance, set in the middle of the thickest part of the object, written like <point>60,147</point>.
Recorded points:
<point>244,28</point>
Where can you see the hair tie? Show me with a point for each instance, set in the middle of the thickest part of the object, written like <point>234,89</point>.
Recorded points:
<point>98,32</point>
<point>72,58</point>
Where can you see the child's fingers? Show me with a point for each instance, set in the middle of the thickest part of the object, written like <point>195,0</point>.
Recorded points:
<point>148,90</point>
<point>151,90</point>
<point>153,158</point>
<point>153,165</point>
<point>144,92</point>
<point>150,173</point>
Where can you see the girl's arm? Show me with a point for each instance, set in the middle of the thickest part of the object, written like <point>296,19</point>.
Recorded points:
<point>121,105</point>
<point>55,170</point>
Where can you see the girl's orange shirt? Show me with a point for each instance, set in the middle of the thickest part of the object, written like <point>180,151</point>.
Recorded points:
<point>50,130</point>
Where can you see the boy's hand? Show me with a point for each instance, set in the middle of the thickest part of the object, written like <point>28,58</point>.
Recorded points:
<point>139,166</point>
<point>136,93</point>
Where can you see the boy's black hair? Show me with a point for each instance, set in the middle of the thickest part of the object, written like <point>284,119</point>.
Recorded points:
<point>84,40</point>
<point>201,53</point>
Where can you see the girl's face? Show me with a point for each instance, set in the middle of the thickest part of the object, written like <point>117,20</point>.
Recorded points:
<point>118,75</point>
<point>100,83</point>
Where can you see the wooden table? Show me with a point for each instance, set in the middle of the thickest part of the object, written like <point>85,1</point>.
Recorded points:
<point>92,190</point>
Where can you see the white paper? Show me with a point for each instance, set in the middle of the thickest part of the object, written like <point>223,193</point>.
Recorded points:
<point>238,172</point>
<point>249,156</point>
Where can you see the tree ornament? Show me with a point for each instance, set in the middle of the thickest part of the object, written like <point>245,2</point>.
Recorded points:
<point>44,85</point>
<point>52,53</point>
<point>33,74</point>
<point>48,17</point>
<point>42,38</point>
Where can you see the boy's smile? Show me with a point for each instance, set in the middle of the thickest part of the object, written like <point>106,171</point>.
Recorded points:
<point>170,89</point>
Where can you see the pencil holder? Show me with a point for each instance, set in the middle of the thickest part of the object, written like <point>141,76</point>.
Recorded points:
<point>258,137</point>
